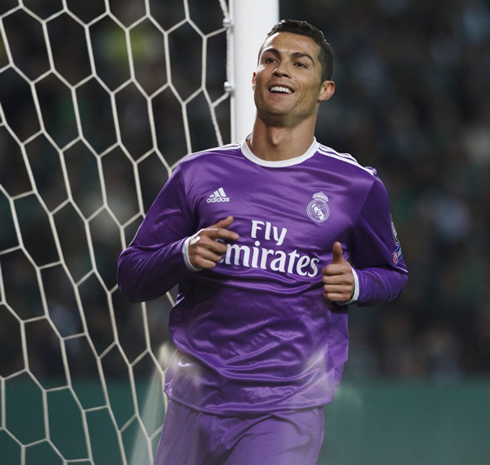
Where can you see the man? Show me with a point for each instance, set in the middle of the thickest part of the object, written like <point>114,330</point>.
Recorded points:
<point>257,236</point>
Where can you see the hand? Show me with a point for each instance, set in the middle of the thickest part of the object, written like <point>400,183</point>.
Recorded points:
<point>205,248</point>
<point>338,280</point>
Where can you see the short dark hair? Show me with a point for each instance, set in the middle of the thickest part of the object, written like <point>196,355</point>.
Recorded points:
<point>306,29</point>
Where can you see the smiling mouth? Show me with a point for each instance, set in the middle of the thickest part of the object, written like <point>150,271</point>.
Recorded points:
<point>280,90</point>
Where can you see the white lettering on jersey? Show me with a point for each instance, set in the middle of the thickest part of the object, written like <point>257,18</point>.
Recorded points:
<point>269,258</point>
<point>279,238</point>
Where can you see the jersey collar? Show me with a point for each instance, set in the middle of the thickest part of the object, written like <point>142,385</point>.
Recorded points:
<point>278,164</point>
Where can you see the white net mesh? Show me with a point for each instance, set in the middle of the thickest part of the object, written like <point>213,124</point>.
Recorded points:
<point>98,101</point>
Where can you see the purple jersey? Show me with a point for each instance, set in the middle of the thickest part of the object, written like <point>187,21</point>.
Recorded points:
<point>255,334</point>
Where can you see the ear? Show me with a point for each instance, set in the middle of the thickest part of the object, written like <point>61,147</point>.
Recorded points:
<point>327,89</point>
<point>254,78</point>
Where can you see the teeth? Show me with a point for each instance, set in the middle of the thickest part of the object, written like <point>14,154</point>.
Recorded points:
<point>281,89</point>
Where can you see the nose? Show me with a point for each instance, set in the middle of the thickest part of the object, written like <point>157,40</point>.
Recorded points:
<point>281,70</point>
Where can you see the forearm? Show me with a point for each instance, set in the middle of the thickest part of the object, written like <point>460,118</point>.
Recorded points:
<point>147,272</point>
<point>379,285</point>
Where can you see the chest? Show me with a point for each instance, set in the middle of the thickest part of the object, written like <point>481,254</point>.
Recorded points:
<point>298,209</point>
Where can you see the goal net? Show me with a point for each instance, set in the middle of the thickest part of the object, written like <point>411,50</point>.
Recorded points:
<point>99,99</point>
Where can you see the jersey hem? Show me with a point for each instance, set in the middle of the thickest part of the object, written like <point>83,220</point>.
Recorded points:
<point>245,411</point>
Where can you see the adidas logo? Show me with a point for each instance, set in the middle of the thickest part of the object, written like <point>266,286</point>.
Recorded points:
<point>218,196</point>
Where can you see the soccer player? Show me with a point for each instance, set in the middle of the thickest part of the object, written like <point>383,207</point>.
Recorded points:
<point>268,240</point>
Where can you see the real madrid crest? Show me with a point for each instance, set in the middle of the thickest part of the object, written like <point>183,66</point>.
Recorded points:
<point>318,209</point>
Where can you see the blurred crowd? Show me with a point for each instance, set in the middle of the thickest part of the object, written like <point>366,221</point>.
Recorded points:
<point>90,129</point>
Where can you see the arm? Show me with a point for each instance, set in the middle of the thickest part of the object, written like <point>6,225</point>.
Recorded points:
<point>375,252</point>
<point>164,253</point>
<point>153,263</point>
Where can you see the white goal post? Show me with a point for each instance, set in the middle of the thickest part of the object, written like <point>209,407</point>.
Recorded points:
<point>99,101</point>
<point>252,20</point>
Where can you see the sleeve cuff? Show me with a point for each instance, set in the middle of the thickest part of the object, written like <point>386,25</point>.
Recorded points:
<point>185,253</point>
<point>355,296</point>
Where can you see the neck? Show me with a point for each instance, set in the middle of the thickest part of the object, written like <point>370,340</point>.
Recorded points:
<point>280,143</point>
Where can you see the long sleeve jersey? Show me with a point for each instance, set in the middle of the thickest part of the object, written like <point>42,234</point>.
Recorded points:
<point>255,334</point>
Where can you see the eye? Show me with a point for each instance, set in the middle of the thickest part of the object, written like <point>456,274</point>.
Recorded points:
<point>300,64</point>
<point>269,60</point>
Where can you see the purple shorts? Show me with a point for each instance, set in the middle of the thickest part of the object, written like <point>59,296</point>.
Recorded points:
<point>190,437</point>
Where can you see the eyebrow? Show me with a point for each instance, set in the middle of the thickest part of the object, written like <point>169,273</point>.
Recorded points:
<point>277,53</point>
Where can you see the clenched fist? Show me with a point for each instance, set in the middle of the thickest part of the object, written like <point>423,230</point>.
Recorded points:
<point>338,280</point>
<point>205,247</point>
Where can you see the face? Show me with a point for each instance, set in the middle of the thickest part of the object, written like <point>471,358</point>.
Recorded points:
<point>287,84</point>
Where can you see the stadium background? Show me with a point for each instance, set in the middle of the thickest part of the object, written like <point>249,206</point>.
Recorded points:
<point>412,100</point>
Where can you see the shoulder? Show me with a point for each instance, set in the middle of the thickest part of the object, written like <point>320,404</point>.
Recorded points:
<point>361,179</point>
<point>346,161</point>
<point>211,155</point>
